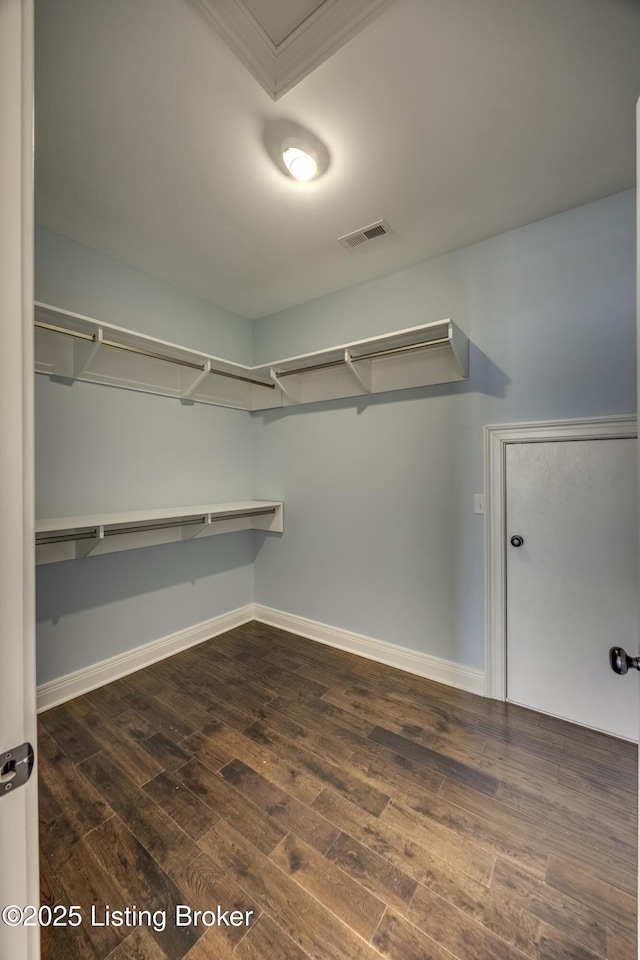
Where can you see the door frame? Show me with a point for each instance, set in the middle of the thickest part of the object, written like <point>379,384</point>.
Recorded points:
<point>496,439</point>
<point>18,810</point>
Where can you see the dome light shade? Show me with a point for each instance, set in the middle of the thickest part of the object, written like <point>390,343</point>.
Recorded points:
<point>297,153</point>
<point>300,164</point>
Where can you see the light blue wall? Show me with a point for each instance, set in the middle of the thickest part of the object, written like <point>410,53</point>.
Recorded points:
<point>101,449</point>
<point>77,278</point>
<point>90,610</point>
<point>380,532</point>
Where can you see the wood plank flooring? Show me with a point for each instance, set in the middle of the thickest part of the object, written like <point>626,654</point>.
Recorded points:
<point>344,809</point>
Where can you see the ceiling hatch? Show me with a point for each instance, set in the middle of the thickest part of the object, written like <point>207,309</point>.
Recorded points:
<point>282,41</point>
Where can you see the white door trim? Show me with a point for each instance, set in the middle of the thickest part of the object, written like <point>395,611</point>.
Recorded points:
<point>19,809</point>
<point>496,438</point>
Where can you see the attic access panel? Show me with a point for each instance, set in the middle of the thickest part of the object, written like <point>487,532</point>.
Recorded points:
<point>282,41</point>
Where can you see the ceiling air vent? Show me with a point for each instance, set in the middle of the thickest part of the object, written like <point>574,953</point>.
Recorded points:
<point>378,229</point>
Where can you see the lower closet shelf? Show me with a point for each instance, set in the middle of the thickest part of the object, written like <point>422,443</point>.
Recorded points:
<point>73,538</point>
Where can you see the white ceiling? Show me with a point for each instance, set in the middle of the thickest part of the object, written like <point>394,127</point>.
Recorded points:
<point>452,120</point>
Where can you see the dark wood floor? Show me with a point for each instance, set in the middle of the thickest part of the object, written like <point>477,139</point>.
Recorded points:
<point>352,811</point>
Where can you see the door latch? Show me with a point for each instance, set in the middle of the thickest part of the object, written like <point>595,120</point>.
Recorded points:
<point>621,662</point>
<point>15,767</point>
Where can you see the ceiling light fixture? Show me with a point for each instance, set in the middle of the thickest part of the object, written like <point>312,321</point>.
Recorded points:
<point>295,151</point>
<point>300,164</point>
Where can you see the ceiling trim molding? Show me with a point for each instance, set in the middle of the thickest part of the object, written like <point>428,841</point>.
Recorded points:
<point>279,67</point>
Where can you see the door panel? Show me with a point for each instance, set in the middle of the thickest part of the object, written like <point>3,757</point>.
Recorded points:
<point>572,585</point>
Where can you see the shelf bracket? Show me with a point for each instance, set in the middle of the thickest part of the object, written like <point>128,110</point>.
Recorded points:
<point>190,533</point>
<point>85,547</point>
<point>288,391</point>
<point>362,375</point>
<point>196,380</point>
<point>84,352</point>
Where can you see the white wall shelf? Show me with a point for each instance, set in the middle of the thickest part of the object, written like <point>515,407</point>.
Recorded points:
<point>73,538</point>
<point>74,347</point>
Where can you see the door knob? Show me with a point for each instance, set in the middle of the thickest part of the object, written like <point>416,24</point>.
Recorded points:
<point>517,540</point>
<point>621,662</point>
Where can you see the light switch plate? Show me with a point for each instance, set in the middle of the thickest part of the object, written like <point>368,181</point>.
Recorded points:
<point>478,503</point>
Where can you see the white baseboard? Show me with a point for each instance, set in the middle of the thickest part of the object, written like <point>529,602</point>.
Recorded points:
<point>412,661</point>
<point>82,681</point>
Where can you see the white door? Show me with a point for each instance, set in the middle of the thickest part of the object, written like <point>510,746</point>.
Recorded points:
<point>18,805</point>
<point>572,584</point>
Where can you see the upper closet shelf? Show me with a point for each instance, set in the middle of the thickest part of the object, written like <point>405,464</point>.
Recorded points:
<point>72,538</point>
<point>74,347</point>
<point>71,346</point>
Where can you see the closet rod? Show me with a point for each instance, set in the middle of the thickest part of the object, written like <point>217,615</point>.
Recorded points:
<point>145,527</point>
<point>67,333</point>
<point>365,356</point>
<point>147,353</point>
<point>63,538</point>
<point>119,346</point>
<point>236,376</point>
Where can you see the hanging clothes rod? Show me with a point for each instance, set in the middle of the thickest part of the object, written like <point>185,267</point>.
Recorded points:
<point>148,353</point>
<point>236,376</point>
<point>63,330</point>
<point>365,356</point>
<point>168,524</point>
<point>63,538</point>
<point>146,527</point>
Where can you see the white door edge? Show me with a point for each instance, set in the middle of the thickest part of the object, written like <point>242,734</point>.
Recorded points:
<point>496,438</point>
<point>19,881</point>
<point>638,373</point>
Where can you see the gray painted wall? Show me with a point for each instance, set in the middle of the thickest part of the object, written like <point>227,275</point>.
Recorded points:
<point>100,449</point>
<point>379,494</point>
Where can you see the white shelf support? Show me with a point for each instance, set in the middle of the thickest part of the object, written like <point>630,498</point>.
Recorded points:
<point>85,351</point>
<point>362,374</point>
<point>196,379</point>
<point>289,391</point>
<point>86,547</point>
<point>459,349</point>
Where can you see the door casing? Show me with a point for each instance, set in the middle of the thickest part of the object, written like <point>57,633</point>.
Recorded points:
<point>18,809</point>
<point>496,438</point>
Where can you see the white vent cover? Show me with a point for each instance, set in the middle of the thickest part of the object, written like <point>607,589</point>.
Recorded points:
<point>375,230</point>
